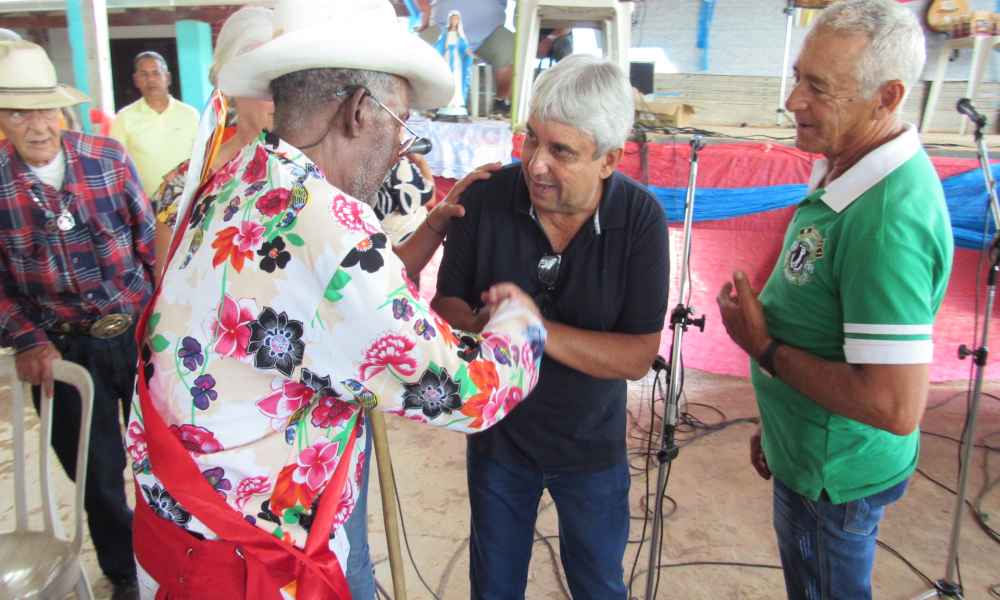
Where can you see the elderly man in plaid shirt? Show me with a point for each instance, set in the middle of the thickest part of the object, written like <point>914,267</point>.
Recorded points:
<point>76,265</point>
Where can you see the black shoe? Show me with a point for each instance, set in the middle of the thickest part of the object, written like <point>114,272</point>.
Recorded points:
<point>125,591</point>
<point>501,107</point>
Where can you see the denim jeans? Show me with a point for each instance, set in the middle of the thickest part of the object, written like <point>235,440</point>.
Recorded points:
<point>828,550</point>
<point>360,577</point>
<point>593,513</point>
<point>112,365</point>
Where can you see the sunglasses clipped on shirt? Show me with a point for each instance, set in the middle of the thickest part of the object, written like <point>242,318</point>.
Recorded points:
<point>548,272</point>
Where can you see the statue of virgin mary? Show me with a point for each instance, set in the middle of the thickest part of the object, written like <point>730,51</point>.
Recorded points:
<point>455,49</point>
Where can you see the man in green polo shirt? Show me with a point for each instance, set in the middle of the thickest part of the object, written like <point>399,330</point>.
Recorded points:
<point>840,337</point>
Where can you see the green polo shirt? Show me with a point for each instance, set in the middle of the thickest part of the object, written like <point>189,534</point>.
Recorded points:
<point>860,279</point>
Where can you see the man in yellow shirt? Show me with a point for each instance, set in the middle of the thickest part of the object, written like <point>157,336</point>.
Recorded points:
<point>157,131</point>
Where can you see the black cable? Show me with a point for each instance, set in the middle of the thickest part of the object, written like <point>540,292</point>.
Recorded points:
<point>659,551</point>
<point>645,515</point>
<point>406,538</point>
<point>698,563</point>
<point>552,550</point>
<point>906,562</point>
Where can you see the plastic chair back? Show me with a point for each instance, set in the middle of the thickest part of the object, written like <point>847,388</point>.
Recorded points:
<point>52,524</point>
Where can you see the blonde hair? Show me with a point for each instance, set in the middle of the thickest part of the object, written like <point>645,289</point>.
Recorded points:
<point>243,31</point>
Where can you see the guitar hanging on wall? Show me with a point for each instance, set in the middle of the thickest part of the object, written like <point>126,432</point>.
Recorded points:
<point>940,11</point>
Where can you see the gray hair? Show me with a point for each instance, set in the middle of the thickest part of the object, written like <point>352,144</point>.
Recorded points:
<point>297,95</point>
<point>6,35</point>
<point>246,29</point>
<point>896,48</point>
<point>588,93</point>
<point>155,56</point>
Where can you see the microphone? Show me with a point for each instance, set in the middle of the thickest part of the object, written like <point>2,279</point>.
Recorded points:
<point>697,142</point>
<point>967,108</point>
<point>421,146</point>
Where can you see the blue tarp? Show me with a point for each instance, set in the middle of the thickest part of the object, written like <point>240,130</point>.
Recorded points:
<point>965,194</point>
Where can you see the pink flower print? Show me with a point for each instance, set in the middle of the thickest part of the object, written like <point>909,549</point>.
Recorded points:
<point>498,343</point>
<point>493,406</point>
<point>196,440</point>
<point>331,412</point>
<point>349,214</point>
<point>257,168</point>
<point>389,349</point>
<point>514,397</point>
<point>226,324</point>
<point>359,469</point>
<point>316,463</point>
<point>135,441</point>
<point>284,401</point>
<point>224,175</point>
<point>411,286</point>
<point>250,236</point>
<point>248,486</point>
<point>345,508</point>
<point>273,202</point>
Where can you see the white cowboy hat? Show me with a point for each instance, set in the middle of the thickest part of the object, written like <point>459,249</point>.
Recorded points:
<point>346,34</point>
<point>28,79</point>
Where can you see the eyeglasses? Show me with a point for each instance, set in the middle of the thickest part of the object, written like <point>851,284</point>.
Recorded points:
<point>21,116</point>
<point>405,145</point>
<point>548,272</point>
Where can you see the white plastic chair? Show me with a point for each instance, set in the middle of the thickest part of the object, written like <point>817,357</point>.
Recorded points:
<point>488,84</point>
<point>43,563</point>
<point>612,17</point>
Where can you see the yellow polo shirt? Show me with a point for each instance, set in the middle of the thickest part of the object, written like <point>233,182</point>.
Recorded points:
<point>156,142</point>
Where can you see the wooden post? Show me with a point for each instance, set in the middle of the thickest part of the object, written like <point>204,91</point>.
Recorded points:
<point>388,489</point>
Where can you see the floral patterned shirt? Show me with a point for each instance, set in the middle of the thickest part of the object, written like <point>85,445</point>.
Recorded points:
<point>282,314</point>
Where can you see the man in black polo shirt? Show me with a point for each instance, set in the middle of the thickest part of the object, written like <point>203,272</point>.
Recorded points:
<point>589,245</point>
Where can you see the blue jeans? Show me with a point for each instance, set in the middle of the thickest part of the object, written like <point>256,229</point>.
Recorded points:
<point>112,365</point>
<point>360,577</point>
<point>593,528</point>
<point>828,550</point>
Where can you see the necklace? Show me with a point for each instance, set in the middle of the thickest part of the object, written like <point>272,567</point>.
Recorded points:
<point>64,221</point>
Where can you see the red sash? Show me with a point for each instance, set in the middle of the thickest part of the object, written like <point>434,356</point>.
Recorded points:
<point>186,567</point>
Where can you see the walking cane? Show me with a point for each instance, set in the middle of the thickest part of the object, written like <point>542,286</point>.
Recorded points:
<point>388,489</point>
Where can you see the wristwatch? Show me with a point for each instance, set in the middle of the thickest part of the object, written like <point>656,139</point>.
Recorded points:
<point>766,361</point>
<point>552,37</point>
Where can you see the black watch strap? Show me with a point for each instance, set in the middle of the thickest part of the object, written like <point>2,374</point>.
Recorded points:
<point>766,360</point>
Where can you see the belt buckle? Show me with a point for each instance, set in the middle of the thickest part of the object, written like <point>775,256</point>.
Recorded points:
<point>111,326</point>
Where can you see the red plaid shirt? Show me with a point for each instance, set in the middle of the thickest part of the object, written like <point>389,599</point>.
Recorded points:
<point>104,265</point>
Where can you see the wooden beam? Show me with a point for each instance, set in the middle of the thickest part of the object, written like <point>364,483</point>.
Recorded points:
<point>131,17</point>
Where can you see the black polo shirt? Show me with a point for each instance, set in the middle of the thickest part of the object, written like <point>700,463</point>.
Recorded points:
<point>613,277</point>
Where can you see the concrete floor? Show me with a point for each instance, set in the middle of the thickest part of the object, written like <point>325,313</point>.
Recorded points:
<point>723,510</point>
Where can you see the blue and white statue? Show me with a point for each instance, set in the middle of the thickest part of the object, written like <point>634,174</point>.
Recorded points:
<point>454,47</point>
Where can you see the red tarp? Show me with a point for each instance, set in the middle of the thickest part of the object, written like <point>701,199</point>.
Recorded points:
<point>752,243</point>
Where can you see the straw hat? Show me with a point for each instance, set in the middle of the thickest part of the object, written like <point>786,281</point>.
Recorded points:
<point>28,79</point>
<point>347,34</point>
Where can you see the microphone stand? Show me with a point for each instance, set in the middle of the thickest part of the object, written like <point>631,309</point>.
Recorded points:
<point>680,319</point>
<point>948,587</point>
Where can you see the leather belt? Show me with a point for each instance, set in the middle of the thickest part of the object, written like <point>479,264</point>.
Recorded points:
<point>103,329</point>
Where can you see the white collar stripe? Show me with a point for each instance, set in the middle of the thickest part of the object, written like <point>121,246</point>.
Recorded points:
<point>867,328</point>
<point>871,169</point>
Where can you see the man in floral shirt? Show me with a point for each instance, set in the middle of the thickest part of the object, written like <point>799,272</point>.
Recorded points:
<point>284,310</point>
